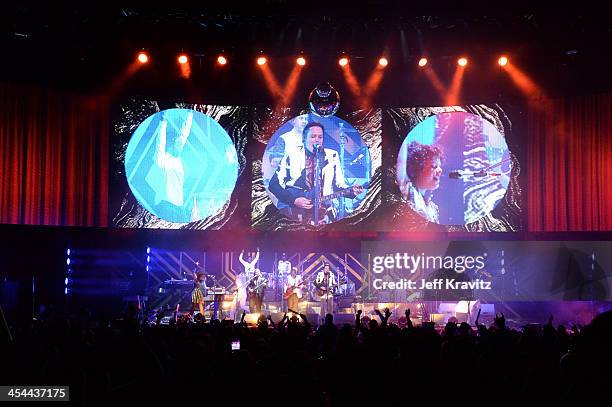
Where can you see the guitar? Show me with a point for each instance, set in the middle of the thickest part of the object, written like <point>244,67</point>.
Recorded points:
<point>256,287</point>
<point>321,290</point>
<point>289,291</point>
<point>325,207</point>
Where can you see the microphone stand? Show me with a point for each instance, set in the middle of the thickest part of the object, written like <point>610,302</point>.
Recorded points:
<point>317,185</point>
<point>326,294</point>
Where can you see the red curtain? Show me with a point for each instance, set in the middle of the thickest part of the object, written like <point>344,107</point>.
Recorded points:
<point>54,157</point>
<point>570,164</point>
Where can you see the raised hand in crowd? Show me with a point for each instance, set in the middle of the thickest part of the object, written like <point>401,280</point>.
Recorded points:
<point>500,321</point>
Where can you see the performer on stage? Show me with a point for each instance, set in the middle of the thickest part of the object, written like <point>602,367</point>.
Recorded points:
<point>325,284</point>
<point>249,264</point>
<point>284,266</point>
<point>241,292</point>
<point>292,290</point>
<point>197,297</point>
<point>256,291</point>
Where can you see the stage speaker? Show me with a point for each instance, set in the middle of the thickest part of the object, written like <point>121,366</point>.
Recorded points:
<point>341,319</point>
<point>346,302</point>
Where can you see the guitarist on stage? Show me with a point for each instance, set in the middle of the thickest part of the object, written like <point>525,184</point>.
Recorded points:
<point>256,291</point>
<point>292,291</point>
<point>325,284</point>
<point>295,181</point>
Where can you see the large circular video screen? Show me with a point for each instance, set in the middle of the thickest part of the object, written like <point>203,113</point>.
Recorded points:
<point>453,168</point>
<point>316,169</point>
<point>181,165</point>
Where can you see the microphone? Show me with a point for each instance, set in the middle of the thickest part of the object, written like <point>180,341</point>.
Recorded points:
<point>460,174</point>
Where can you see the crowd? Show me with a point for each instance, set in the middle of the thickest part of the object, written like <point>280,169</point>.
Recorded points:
<point>293,362</point>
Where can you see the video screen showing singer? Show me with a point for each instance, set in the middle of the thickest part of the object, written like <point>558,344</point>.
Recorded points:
<point>310,180</point>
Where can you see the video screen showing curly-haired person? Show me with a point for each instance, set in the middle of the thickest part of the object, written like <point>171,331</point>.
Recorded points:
<point>419,168</point>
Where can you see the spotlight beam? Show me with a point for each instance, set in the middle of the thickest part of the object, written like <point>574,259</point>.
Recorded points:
<point>372,86</point>
<point>531,90</point>
<point>271,82</point>
<point>351,81</point>
<point>291,85</point>
<point>452,97</point>
<point>283,95</point>
<point>435,80</point>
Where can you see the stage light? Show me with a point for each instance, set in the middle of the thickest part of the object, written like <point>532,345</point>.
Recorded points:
<point>66,281</point>
<point>343,61</point>
<point>301,61</point>
<point>503,60</point>
<point>261,61</point>
<point>462,61</point>
<point>148,259</point>
<point>383,62</point>
<point>67,252</point>
<point>147,268</point>
<point>66,291</point>
<point>182,59</point>
<point>148,250</point>
<point>68,261</point>
<point>422,62</point>
<point>221,60</point>
<point>143,58</point>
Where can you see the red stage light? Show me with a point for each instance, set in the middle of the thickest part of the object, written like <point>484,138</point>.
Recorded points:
<point>503,60</point>
<point>143,58</point>
<point>462,61</point>
<point>261,61</point>
<point>301,61</point>
<point>221,60</point>
<point>343,61</point>
<point>383,62</point>
<point>422,62</point>
<point>182,59</point>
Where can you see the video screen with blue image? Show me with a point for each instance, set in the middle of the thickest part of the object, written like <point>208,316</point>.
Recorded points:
<point>290,161</point>
<point>454,168</point>
<point>180,165</point>
<point>316,172</point>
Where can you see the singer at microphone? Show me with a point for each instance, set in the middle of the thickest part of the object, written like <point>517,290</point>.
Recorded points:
<point>294,182</point>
